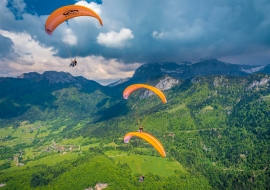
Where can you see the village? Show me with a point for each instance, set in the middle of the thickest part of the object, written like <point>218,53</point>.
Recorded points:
<point>52,148</point>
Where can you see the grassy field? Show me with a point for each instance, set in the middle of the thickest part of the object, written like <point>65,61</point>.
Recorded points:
<point>78,126</point>
<point>143,164</point>
<point>86,147</point>
<point>115,152</point>
<point>266,98</point>
<point>207,108</point>
<point>6,131</point>
<point>48,160</point>
<point>59,130</point>
<point>23,134</point>
<point>2,162</point>
<point>44,134</point>
<point>30,152</point>
<point>112,144</point>
<point>76,141</point>
<point>181,106</point>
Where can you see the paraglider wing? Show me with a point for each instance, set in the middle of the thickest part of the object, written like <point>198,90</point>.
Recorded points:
<point>131,88</point>
<point>149,138</point>
<point>65,13</point>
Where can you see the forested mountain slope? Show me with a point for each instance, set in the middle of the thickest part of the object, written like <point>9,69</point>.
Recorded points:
<point>216,126</point>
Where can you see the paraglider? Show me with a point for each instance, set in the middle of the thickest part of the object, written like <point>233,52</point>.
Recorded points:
<point>149,138</point>
<point>65,13</point>
<point>134,87</point>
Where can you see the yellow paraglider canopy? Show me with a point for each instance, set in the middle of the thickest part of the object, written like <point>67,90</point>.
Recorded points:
<point>131,88</point>
<point>149,138</point>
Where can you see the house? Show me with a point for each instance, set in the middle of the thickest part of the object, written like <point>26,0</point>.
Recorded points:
<point>15,159</point>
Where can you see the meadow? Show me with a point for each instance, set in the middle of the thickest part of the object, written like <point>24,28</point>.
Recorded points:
<point>48,160</point>
<point>143,164</point>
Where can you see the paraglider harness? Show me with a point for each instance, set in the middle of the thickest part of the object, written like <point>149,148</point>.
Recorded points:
<point>73,63</point>
<point>140,129</point>
<point>141,178</point>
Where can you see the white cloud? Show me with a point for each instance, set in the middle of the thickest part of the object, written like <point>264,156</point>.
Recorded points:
<point>92,5</point>
<point>18,6</point>
<point>42,59</point>
<point>116,40</point>
<point>187,33</point>
<point>174,30</point>
<point>69,37</point>
<point>157,35</point>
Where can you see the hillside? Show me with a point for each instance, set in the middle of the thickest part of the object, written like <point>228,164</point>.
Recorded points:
<point>214,128</point>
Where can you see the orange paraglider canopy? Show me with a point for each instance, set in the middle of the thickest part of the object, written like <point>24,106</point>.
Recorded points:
<point>149,138</point>
<point>131,88</point>
<point>65,13</point>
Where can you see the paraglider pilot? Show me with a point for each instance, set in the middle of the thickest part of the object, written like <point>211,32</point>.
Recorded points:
<point>140,129</point>
<point>73,63</point>
<point>141,178</point>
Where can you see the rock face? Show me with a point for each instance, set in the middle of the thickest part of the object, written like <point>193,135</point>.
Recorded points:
<point>119,82</point>
<point>30,76</point>
<point>165,83</point>
<point>263,81</point>
<point>57,77</point>
<point>99,186</point>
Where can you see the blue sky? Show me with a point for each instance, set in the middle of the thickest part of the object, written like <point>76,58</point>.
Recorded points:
<point>133,33</point>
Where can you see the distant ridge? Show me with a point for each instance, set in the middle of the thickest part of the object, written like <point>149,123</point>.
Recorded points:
<point>202,68</point>
<point>119,82</point>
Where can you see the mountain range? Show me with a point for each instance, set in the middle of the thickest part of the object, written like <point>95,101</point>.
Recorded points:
<point>181,71</point>
<point>216,126</point>
<point>187,70</point>
<point>54,91</point>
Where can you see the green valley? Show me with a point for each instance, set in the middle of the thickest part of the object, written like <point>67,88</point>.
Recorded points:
<point>214,129</point>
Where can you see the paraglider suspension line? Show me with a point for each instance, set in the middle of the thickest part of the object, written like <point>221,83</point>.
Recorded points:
<point>79,50</point>
<point>68,52</point>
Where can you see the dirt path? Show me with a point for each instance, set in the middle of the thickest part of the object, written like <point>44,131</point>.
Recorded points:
<point>53,161</point>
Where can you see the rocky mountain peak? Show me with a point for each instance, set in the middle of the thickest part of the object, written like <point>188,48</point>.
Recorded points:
<point>30,76</point>
<point>57,77</point>
<point>256,83</point>
<point>187,70</point>
<point>54,77</point>
<point>165,83</point>
<point>122,80</point>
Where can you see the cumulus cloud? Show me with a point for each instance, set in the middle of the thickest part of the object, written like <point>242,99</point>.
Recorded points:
<point>173,30</point>
<point>42,59</point>
<point>92,5</point>
<point>116,40</point>
<point>157,35</point>
<point>69,37</point>
<point>6,46</point>
<point>17,7</point>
